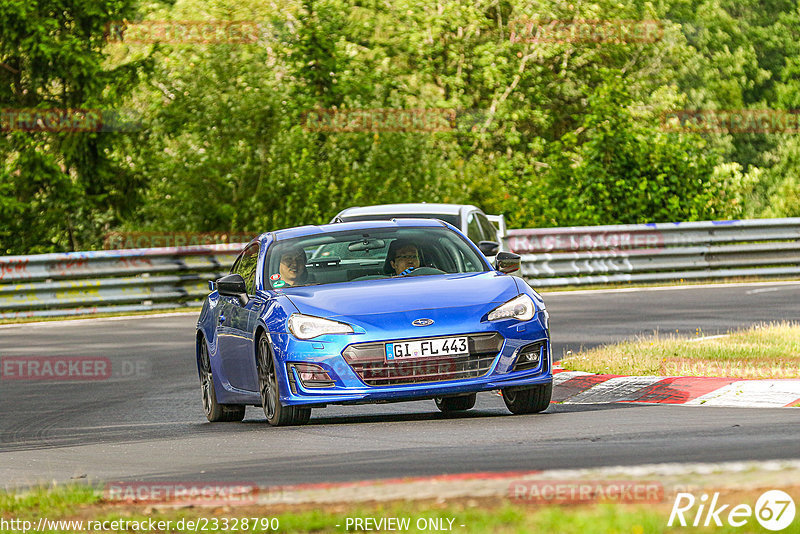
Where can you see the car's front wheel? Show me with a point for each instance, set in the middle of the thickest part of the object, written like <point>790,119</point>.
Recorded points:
<point>215,412</point>
<point>277,414</point>
<point>528,400</point>
<point>460,403</point>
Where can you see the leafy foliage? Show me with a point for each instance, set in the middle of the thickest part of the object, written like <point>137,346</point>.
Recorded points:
<point>549,132</point>
<point>61,189</point>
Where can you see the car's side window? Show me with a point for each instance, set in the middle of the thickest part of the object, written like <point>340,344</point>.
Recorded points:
<point>246,266</point>
<point>489,231</point>
<point>236,263</point>
<point>474,232</point>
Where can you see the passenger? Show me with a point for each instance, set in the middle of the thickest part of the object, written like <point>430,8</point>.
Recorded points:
<point>292,268</point>
<point>402,257</point>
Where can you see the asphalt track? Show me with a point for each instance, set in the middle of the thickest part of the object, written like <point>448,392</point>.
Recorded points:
<point>146,421</point>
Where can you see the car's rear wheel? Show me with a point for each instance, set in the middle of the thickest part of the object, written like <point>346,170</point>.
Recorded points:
<point>215,412</point>
<point>456,404</point>
<point>528,400</point>
<point>277,414</point>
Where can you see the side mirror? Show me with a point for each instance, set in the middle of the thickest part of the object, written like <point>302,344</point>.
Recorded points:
<point>233,285</point>
<point>489,248</point>
<point>507,262</point>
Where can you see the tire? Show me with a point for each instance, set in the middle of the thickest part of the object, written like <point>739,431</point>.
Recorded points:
<point>460,403</point>
<point>215,412</point>
<point>528,400</point>
<point>277,414</point>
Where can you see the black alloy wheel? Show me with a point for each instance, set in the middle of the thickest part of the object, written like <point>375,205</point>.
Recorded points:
<point>277,414</point>
<point>215,412</point>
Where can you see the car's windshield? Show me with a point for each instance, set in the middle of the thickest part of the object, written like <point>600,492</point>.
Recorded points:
<point>368,255</point>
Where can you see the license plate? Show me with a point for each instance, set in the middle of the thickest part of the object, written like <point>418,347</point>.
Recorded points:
<point>448,346</point>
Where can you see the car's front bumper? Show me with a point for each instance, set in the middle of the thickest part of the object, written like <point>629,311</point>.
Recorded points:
<point>349,386</point>
<point>313,396</point>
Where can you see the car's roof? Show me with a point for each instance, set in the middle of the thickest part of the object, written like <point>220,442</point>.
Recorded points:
<point>413,208</point>
<point>301,231</point>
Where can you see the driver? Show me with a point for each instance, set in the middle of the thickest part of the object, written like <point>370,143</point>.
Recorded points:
<point>292,268</point>
<point>403,257</point>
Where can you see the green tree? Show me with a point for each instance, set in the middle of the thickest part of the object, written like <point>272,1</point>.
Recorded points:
<point>553,132</point>
<point>550,133</point>
<point>60,190</point>
<point>621,168</point>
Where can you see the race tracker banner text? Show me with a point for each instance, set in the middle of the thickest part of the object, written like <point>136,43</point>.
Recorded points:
<point>544,240</point>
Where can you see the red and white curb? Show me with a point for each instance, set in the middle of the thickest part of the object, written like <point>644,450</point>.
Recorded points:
<point>578,387</point>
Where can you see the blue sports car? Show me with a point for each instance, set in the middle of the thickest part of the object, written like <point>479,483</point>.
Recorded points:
<point>371,311</point>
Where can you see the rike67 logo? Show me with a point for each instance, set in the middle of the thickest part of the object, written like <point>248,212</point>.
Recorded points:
<point>774,510</point>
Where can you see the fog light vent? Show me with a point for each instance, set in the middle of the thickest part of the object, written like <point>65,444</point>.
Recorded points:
<point>530,356</point>
<point>311,375</point>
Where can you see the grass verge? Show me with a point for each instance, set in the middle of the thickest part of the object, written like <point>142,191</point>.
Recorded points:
<point>489,514</point>
<point>762,351</point>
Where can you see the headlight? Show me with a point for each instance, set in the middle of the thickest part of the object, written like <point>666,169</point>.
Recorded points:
<point>308,326</point>
<point>521,308</point>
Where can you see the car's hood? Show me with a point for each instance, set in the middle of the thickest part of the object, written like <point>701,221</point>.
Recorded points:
<point>398,295</point>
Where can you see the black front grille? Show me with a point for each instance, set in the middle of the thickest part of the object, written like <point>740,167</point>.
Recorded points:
<point>369,362</point>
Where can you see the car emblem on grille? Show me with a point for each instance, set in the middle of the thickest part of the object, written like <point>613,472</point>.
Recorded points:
<point>422,322</point>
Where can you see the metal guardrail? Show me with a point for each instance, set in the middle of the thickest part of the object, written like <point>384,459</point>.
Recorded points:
<point>584,255</point>
<point>79,283</point>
